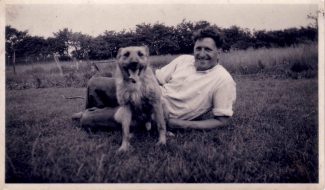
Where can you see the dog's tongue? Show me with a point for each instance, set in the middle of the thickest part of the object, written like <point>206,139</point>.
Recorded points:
<point>134,75</point>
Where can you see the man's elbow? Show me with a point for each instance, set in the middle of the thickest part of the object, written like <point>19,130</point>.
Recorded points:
<point>224,120</point>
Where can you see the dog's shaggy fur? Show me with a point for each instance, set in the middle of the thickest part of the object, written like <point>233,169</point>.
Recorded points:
<point>138,93</point>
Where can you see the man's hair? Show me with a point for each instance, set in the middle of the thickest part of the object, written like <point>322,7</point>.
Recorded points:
<point>209,32</point>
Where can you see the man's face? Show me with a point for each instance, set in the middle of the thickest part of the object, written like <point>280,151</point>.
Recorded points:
<point>206,54</point>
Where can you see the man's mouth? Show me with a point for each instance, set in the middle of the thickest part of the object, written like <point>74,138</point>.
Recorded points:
<point>203,59</point>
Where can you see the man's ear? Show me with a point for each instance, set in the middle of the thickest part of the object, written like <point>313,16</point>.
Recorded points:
<point>119,53</point>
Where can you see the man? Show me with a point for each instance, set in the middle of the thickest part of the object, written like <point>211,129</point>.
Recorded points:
<point>191,86</point>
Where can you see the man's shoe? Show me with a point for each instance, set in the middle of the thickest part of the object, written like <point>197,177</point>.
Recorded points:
<point>77,116</point>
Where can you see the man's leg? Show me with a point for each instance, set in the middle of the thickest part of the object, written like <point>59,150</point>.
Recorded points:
<point>101,104</point>
<point>101,92</point>
<point>99,118</point>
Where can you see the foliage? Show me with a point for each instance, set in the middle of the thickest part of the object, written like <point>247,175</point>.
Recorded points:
<point>14,38</point>
<point>160,39</point>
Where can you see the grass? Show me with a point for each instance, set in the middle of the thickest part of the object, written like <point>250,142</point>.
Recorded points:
<point>273,138</point>
<point>292,62</point>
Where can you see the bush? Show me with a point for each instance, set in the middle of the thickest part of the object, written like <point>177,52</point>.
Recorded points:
<point>35,70</point>
<point>299,67</point>
<point>64,58</point>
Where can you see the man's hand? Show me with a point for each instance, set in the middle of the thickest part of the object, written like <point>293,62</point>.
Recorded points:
<point>203,124</point>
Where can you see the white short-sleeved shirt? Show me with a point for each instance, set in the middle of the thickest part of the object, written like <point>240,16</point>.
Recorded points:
<point>189,93</point>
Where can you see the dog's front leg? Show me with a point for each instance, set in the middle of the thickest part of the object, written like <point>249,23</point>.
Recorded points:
<point>161,124</point>
<point>124,116</point>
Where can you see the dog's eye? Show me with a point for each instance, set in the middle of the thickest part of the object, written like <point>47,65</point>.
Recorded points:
<point>140,53</point>
<point>126,54</point>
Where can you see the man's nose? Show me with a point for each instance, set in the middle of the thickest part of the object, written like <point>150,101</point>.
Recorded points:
<point>201,53</point>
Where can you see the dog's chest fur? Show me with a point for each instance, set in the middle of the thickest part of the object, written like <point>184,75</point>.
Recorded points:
<point>140,96</point>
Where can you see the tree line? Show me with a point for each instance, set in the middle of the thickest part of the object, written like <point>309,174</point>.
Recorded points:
<point>160,39</point>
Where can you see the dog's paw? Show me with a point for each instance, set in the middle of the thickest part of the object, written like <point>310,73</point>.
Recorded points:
<point>161,142</point>
<point>148,126</point>
<point>170,134</point>
<point>123,149</point>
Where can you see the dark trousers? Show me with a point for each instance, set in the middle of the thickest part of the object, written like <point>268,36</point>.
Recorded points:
<point>101,104</point>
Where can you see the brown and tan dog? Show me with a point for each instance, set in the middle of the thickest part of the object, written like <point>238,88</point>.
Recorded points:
<point>138,93</point>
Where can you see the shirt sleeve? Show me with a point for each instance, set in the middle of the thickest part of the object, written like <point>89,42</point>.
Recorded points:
<point>164,74</point>
<point>223,99</point>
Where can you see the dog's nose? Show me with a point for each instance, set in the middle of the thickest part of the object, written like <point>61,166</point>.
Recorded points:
<point>134,58</point>
<point>132,80</point>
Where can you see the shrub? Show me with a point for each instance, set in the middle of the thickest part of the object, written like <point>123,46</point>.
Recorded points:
<point>35,70</point>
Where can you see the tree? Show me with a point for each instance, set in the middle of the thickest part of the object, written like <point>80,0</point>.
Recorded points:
<point>314,19</point>
<point>61,39</point>
<point>13,39</point>
<point>98,48</point>
<point>71,44</point>
<point>105,46</point>
<point>262,39</point>
<point>123,39</point>
<point>201,24</point>
<point>160,39</point>
<point>163,40</point>
<point>184,32</point>
<point>237,38</point>
<point>80,43</point>
<point>143,32</point>
<point>33,46</point>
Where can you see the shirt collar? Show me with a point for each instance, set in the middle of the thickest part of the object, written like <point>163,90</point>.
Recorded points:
<point>209,70</point>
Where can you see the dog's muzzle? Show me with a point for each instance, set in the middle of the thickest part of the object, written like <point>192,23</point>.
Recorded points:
<point>134,70</point>
<point>133,75</point>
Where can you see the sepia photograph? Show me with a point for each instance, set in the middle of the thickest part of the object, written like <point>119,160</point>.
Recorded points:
<point>162,93</point>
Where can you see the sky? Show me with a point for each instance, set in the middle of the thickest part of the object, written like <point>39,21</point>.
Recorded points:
<point>94,19</point>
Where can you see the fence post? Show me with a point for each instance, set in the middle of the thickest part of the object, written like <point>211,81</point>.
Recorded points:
<point>14,61</point>
<point>56,59</point>
<point>76,63</point>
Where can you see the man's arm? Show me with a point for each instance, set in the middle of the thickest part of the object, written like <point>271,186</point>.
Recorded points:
<point>164,74</point>
<point>203,124</point>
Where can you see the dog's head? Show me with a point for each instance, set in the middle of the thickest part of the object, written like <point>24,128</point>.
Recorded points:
<point>132,61</point>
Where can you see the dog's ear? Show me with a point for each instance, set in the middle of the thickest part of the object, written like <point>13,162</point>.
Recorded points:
<point>119,53</point>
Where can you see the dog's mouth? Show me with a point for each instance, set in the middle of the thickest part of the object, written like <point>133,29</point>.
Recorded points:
<point>133,75</point>
<point>133,72</point>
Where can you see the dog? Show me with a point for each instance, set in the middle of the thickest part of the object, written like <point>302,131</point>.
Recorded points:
<point>138,93</point>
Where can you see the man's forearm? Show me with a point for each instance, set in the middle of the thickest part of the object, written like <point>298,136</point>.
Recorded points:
<point>203,124</point>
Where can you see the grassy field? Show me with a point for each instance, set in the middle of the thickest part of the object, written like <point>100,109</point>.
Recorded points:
<point>272,138</point>
<point>293,62</point>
